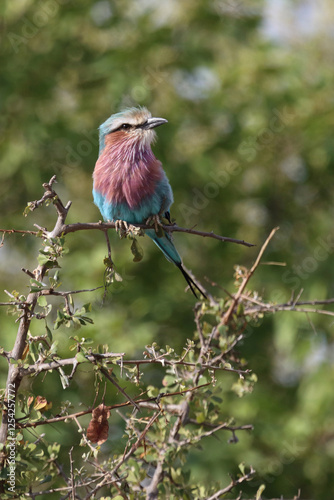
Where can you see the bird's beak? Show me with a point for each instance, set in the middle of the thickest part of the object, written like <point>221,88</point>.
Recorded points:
<point>153,122</point>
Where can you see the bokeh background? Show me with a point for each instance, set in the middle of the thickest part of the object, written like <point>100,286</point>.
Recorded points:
<point>247,88</point>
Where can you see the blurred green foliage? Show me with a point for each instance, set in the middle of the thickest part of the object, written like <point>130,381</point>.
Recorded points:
<point>248,146</point>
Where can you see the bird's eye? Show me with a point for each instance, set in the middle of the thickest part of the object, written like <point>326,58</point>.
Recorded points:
<point>125,126</point>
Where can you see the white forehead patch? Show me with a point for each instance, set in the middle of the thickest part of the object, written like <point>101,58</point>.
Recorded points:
<point>132,116</point>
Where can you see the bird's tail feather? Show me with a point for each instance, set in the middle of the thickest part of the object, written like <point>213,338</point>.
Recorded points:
<point>168,249</point>
<point>191,282</point>
<point>166,246</point>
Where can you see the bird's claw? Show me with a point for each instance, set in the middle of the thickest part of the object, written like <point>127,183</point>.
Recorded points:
<point>154,220</point>
<point>124,229</point>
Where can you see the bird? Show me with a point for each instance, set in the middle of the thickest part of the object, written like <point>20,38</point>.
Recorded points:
<point>129,182</point>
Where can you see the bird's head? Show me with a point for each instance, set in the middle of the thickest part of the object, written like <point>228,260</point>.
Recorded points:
<point>131,127</point>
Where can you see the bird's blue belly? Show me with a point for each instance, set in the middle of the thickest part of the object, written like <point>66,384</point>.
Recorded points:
<point>154,204</point>
<point>121,211</point>
<point>158,202</point>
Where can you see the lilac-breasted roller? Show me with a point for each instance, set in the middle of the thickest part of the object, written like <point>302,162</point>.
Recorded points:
<point>129,182</point>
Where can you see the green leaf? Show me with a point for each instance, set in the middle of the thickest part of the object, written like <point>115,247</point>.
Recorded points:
<point>260,491</point>
<point>59,320</point>
<point>43,259</point>
<point>80,357</point>
<point>46,479</point>
<point>87,307</point>
<point>152,391</point>
<point>160,232</point>
<point>36,285</point>
<point>168,380</point>
<point>108,262</point>
<point>29,208</point>
<point>48,332</point>
<point>137,251</point>
<point>54,346</point>
<point>41,301</point>
<point>242,468</point>
<point>176,474</point>
<point>200,417</point>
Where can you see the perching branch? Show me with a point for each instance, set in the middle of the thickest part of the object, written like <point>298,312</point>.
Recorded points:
<point>63,228</point>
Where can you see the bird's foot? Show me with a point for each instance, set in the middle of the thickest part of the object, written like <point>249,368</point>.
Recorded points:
<point>122,228</point>
<point>154,220</point>
<point>125,229</point>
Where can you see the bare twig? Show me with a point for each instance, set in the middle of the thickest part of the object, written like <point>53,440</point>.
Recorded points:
<point>213,431</point>
<point>109,477</point>
<point>19,231</point>
<point>233,484</point>
<point>53,365</point>
<point>145,403</point>
<point>152,489</point>
<point>72,476</point>
<point>285,307</point>
<point>183,363</point>
<point>71,292</point>
<point>246,279</point>
<point>113,381</point>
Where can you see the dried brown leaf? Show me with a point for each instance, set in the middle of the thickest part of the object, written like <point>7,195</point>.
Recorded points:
<point>97,431</point>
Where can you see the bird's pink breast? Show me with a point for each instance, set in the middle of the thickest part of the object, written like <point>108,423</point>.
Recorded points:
<point>126,173</point>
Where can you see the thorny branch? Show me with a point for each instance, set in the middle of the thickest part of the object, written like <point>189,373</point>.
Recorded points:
<point>14,377</point>
<point>150,403</point>
<point>246,279</point>
<point>109,476</point>
<point>181,411</point>
<point>233,484</point>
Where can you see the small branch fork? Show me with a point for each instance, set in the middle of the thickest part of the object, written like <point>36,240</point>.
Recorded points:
<point>233,484</point>
<point>249,274</point>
